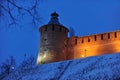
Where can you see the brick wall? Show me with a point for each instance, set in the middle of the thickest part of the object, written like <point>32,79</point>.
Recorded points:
<point>53,42</point>
<point>93,45</point>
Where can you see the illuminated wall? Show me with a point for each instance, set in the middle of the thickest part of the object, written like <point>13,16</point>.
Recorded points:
<point>93,45</point>
<point>56,46</point>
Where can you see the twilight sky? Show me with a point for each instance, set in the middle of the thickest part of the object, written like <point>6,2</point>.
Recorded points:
<point>85,16</point>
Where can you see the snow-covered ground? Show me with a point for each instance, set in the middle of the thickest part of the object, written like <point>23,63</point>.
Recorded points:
<point>106,67</point>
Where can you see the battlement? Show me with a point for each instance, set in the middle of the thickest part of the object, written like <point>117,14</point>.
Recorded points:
<point>93,45</point>
<point>53,27</point>
<point>108,36</point>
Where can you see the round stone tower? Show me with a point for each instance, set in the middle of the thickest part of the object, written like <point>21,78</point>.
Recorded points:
<point>53,41</point>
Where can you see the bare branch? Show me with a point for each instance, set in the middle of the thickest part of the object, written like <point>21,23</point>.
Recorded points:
<point>15,11</point>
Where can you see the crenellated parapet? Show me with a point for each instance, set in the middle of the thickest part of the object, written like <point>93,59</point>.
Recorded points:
<point>75,40</point>
<point>96,44</point>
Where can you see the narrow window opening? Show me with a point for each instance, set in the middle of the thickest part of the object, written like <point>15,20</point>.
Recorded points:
<point>115,34</point>
<point>45,28</point>
<point>45,39</point>
<point>53,27</point>
<point>95,37</point>
<point>88,39</point>
<point>60,29</point>
<point>101,36</point>
<point>75,41</point>
<point>108,35</point>
<point>82,41</point>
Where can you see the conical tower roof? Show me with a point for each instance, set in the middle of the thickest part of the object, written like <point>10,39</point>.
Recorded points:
<point>54,18</point>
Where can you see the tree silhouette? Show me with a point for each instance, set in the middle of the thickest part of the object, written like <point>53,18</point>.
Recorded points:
<point>8,66</point>
<point>28,63</point>
<point>14,10</point>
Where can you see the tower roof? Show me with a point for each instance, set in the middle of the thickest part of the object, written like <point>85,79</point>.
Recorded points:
<point>54,18</point>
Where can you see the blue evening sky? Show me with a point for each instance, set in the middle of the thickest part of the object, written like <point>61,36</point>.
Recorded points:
<point>85,16</point>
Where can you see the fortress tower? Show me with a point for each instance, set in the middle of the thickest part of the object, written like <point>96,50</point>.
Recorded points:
<point>53,41</point>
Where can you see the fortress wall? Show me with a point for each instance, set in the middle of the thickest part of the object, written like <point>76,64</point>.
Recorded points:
<point>95,44</point>
<point>70,46</point>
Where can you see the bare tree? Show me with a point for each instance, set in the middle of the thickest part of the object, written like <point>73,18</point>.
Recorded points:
<point>13,11</point>
<point>8,66</point>
<point>28,63</point>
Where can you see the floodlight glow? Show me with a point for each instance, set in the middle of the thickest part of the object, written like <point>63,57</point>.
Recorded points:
<point>83,56</point>
<point>45,57</point>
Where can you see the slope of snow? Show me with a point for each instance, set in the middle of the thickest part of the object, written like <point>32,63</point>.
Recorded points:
<point>106,67</point>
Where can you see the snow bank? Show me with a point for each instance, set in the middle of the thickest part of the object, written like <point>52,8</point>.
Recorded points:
<point>106,67</point>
